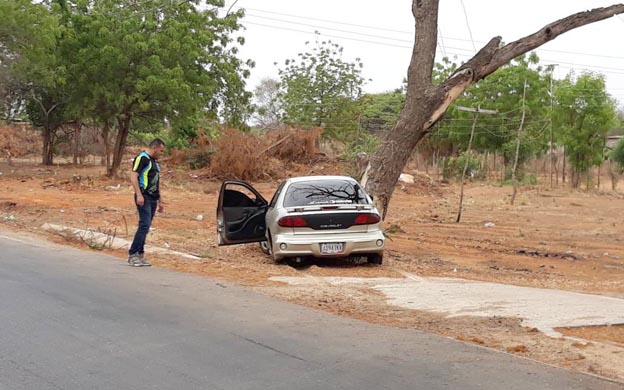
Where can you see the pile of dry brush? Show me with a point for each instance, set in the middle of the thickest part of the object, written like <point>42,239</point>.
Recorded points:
<point>247,156</point>
<point>18,141</point>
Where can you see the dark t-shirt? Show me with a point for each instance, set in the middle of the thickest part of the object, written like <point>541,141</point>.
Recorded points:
<point>149,174</point>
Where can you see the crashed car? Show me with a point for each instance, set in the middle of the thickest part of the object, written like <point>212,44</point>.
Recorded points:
<point>311,216</point>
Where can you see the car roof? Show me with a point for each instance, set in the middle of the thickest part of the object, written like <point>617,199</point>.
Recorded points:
<point>319,178</point>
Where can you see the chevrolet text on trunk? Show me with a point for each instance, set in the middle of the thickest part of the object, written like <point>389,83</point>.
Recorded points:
<point>308,217</point>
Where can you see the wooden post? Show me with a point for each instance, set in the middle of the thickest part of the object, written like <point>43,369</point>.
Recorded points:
<point>515,166</point>
<point>476,111</point>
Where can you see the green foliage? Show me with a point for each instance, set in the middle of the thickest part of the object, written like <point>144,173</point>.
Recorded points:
<point>267,110</point>
<point>130,65</point>
<point>583,115</point>
<point>501,91</point>
<point>381,111</point>
<point>453,167</point>
<point>617,155</point>
<point>321,89</point>
<point>365,142</point>
<point>182,137</point>
<point>29,35</point>
<point>32,62</point>
<point>154,61</point>
<point>528,180</point>
<point>443,70</point>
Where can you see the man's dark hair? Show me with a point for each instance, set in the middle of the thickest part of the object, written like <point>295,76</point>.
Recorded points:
<point>156,142</point>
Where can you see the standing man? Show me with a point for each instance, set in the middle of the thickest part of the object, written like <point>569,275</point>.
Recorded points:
<point>145,177</point>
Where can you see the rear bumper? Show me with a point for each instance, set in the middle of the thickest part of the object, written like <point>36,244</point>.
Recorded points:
<point>310,245</point>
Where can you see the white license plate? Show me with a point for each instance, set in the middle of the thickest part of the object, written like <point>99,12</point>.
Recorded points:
<point>332,248</point>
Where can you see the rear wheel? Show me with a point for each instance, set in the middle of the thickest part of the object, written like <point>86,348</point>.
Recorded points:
<point>269,243</point>
<point>375,258</point>
<point>264,247</point>
<point>298,262</point>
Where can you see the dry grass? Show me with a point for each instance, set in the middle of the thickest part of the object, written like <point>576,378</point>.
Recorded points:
<point>251,157</point>
<point>19,140</point>
<point>295,145</point>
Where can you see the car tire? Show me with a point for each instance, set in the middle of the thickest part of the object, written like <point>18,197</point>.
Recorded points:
<point>297,262</point>
<point>264,247</point>
<point>376,258</point>
<point>270,248</point>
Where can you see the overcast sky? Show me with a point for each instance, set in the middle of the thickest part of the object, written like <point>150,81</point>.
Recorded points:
<point>381,33</point>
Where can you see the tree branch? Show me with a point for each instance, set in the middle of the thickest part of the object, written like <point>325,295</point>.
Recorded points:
<point>492,57</point>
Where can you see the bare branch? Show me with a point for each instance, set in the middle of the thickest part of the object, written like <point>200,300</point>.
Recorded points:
<point>490,58</point>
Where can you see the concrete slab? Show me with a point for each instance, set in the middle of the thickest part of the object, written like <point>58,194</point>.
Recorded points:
<point>109,241</point>
<point>544,309</point>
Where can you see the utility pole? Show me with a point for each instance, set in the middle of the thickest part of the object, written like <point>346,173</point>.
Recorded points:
<point>552,99</point>
<point>476,112</point>
<point>515,166</point>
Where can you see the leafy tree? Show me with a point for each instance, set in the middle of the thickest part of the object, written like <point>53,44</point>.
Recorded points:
<point>584,113</point>
<point>501,91</point>
<point>426,102</point>
<point>619,127</point>
<point>617,159</point>
<point>381,110</point>
<point>321,89</point>
<point>30,53</point>
<point>139,64</point>
<point>267,105</point>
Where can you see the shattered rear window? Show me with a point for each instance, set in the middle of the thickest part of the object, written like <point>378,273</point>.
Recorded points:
<point>324,192</point>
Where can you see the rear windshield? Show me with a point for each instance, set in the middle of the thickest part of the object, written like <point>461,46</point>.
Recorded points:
<point>323,192</point>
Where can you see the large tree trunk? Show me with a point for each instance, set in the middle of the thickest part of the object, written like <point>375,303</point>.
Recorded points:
<point>107,148</point>
<point>49,133</point>
<point>426,103</point>
<point>120,144</point>
<point>77,142</point>
<point>47,156</point>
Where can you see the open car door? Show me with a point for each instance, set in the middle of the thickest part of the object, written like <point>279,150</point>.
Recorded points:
<point>241,214</point>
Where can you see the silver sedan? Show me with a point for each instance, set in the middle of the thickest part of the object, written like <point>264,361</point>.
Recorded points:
<point>311,216</point>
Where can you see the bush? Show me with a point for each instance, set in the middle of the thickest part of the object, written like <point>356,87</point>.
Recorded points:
<point>236,156</point>
<point>529,180</point>
<point>293,145</point>
<point>454,167</point>
<point>365,142</point>
<point>19,141</point>
<point>196,156</point>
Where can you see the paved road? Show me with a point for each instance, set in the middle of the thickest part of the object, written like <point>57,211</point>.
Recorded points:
<point>73,319</point>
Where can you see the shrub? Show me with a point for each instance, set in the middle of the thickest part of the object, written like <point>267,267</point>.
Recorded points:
<point>454,167</point>
<point>18,141</point>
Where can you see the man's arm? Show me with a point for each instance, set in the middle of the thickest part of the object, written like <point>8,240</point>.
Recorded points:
<point>161,204</point>
<point>134,179</point>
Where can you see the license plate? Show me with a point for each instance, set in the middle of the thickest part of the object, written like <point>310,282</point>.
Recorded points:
<point>332,248</point>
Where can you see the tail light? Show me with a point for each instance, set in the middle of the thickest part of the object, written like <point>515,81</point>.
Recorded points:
<point>292,222</point>
<point>367,219</point>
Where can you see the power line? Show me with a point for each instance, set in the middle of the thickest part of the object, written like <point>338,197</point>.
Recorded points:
<point>327,21</point>
<point>331,29</point>
<point>442,42</point>
<point>330,36</point>
<point>468,24</point>
<point>582,66</point>
<point>411,33</point>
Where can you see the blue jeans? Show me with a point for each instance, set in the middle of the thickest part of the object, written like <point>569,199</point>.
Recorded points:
<point>146,215</point>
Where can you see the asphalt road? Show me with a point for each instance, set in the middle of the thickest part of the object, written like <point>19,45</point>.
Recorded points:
<point>73,319</point>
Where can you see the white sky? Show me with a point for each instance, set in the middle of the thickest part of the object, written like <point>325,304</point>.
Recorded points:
<point>277,30</point>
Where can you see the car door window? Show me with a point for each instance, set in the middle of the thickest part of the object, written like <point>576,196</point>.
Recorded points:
<point>236,195</point>
<point>276,195</point>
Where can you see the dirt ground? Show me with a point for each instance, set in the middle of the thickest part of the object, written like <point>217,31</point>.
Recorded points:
<point>551,238</point>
